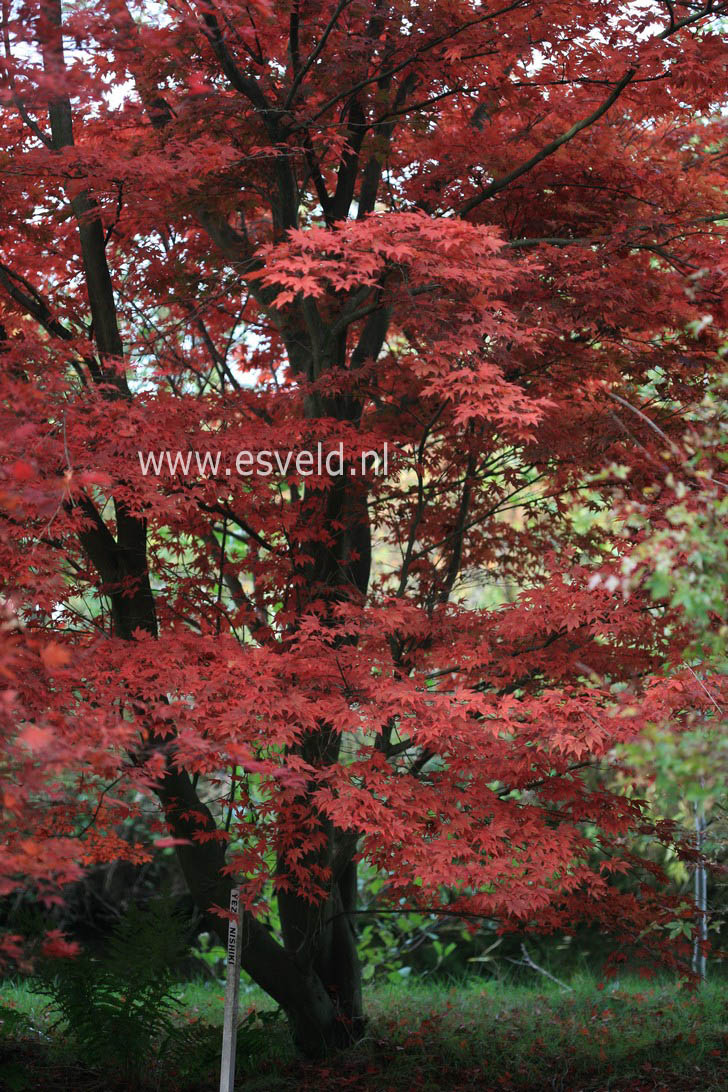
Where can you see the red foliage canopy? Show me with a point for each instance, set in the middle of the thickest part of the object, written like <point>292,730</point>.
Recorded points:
<point>489,236</point>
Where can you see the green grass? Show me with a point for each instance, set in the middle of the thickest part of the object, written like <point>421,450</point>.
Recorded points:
<point>479,1034</point>
<point>529,1037</point>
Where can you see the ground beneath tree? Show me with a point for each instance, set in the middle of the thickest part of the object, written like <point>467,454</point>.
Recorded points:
<point>474,1036</point>
<point>28,1067</point>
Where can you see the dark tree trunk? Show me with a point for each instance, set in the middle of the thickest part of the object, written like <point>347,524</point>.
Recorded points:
<point>337,962</point>
<point>321,941</point>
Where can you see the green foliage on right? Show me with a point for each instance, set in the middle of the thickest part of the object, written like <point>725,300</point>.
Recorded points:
<point>684,562</point>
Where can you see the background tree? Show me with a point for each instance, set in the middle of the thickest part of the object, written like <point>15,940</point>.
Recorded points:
<point>682,558</point>
<point>469,231</point>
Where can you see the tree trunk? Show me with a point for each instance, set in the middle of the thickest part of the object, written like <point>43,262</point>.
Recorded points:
<point>321,940</point>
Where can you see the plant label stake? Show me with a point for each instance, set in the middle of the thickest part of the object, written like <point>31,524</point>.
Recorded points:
<point>232,989</point>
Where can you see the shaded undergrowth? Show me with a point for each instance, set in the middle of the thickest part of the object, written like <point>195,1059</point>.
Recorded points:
<point>476,1035</point>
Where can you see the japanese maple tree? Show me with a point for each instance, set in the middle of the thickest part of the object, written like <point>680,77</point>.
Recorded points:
<point>488,235</point>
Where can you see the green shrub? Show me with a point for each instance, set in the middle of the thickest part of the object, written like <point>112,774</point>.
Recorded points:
<point>119,1009</point>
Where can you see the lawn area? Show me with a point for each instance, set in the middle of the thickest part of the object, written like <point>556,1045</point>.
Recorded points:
<point>630,1036</point>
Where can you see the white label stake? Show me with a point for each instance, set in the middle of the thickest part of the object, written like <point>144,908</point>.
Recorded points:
<point>232,989</point>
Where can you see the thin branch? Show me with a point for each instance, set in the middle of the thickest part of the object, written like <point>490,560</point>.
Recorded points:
<point>501,183</point>
<point>315,54</point>
<point>95,815</point>
<point>528,962</point>
<point>643,417</point>
<point>424,48</point>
